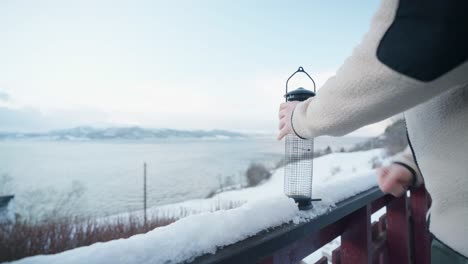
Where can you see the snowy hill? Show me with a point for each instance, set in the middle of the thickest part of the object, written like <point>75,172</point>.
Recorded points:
<point>126,133</point>
<point>336,177</point>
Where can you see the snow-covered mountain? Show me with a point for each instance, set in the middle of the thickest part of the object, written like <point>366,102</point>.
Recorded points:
<point>129,133</point>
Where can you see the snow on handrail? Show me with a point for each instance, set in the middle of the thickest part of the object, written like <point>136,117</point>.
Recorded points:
<point>263,244</point>
<point>387,241</point>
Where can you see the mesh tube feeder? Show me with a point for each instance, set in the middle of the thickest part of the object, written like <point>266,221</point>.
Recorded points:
<point>299,155</point>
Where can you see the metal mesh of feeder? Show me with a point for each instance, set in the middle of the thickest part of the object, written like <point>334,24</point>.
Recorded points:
<point>299,154</point>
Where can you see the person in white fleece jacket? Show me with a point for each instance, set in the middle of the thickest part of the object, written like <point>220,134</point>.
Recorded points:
<point>414,60</point>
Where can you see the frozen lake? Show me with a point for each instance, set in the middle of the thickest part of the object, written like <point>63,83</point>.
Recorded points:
<point>111,171</point>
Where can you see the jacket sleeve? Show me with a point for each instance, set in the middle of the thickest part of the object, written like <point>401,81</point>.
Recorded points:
<point>365,90</point>
<point>406,159</point>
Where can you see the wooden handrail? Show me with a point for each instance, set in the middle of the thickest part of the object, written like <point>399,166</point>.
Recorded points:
<point>392,240</point>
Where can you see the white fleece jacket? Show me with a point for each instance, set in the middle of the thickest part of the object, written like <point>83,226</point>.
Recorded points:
<point>365,91</point>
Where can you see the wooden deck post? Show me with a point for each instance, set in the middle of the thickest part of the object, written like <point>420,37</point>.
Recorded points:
<point>356,242</point>
<point>398,231</point>
<point>336,256</point>
<point>419,205</point>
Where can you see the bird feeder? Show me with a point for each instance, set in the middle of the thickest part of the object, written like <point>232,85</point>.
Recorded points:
<point>299,155</point>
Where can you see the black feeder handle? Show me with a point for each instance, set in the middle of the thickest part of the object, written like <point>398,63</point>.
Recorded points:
<point>299,70</point>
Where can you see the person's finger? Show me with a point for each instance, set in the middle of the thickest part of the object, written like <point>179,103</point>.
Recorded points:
<point>380,179</point>
<point>381,174</point>
<point>388,182</point>
<point>283,105</point>
<point>405,182</point>
<point>281,114</point>
<point>392,177</point>
<point>383,185</point>
<point>398,190</point>
<point>385,170</point>
<point>396,187</point>
<point>406,177</point>
<point>281,124</point>
<point>282,134</point>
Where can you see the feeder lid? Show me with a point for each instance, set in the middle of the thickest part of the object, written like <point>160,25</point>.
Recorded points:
<point>300,94</point>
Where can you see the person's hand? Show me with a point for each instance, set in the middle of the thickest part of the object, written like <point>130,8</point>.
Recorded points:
<point>394,179</point>
<point>285,113</point>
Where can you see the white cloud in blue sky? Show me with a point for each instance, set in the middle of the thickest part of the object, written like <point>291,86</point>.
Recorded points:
<point>181,64</point>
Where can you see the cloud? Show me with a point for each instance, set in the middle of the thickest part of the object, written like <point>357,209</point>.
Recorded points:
<point>4,96</point>
<point>18,119</point>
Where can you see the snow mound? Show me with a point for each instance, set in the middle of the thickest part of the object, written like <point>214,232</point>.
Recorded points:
<point>336,177</point>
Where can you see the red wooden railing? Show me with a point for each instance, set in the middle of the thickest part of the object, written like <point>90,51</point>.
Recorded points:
<point>400,236</point>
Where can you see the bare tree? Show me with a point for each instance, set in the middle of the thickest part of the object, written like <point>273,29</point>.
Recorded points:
<point>46,204</point>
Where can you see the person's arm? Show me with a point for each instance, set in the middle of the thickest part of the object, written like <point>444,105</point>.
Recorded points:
<point>398,65</point>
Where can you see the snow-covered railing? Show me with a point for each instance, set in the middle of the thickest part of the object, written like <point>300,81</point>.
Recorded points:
<point>400,236</point>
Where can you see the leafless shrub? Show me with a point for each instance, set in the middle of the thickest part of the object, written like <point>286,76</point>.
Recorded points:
<point>257,173</point>
<point>6,184</point>
<point>219,205</point>
<point>24,238</point>
<point>28,238</point>
<point>49,203</point>
<point>227,183</point>
<point>335,170</point>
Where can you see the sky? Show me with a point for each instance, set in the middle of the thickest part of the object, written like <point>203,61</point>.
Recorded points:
<point>167,64</point>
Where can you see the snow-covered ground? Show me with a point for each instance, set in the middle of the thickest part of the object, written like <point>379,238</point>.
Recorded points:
<point>336,177</point>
